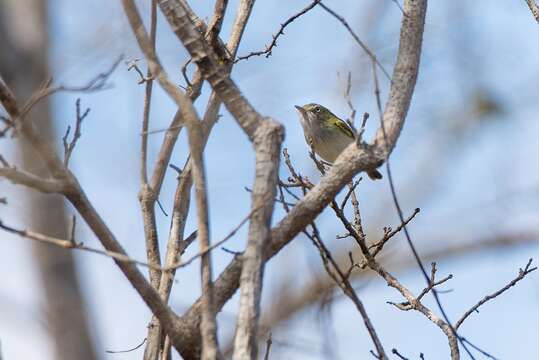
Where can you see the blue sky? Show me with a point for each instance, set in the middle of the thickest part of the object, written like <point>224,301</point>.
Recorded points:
<point>472,176</point>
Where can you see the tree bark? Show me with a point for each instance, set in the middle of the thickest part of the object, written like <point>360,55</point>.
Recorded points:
<point>23,34</point>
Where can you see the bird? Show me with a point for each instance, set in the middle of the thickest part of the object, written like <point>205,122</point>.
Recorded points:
<point>327,134</point>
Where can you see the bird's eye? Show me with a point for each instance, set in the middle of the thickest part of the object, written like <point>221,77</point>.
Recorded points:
<point>317,109</point>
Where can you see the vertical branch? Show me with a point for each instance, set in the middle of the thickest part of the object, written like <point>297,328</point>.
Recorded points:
<point>148,97</point>
<point>72,191</point>
<point>244,12</point>
<point>208,327</point>
<point>148,195</point>
<point>404,75</point>
<point>350,162</point>
<point>267,145</point>
<point>183,195</point>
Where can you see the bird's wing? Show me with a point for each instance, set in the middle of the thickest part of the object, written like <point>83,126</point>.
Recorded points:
<point>345,128</point>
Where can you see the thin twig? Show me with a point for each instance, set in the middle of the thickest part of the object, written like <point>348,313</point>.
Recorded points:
<point>349,192</point>
<point>125,351</point>
<point>72,191</point>
<point>341,280</point>
<point>451,334</point>
<point>390,233</point>
<point>348,98</point>
<point>478,349</point>
<point>97,83</point>
<point>70,244</point>
<point>268,50</point>
<point>365,48</point>
<point>182,196</point>
<point>69,146</point>
<point>268,347</point>
<point>520,276</point>
<point>395,351</point>
<point>350,162</point>
<point>148,98</point>
<point>133,65</point>
<point>215,245</point>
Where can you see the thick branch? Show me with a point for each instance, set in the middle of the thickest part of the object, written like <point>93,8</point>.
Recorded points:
<point>215,73</point>
<point>267,145</point>
<point>183,195</point>
<point>349,163</point>
<point>35,182</point>
<point>208,327</point>
<point>74,193</point>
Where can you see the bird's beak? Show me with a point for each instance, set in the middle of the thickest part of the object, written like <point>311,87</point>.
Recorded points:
<point>301,110</point>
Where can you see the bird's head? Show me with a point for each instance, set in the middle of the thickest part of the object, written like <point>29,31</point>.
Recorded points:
<point>315,114</point>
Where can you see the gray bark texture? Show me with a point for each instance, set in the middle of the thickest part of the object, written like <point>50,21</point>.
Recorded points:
<point>23,30</point>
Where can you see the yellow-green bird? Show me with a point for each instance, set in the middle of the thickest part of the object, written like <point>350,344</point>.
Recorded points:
<point>327,134</point>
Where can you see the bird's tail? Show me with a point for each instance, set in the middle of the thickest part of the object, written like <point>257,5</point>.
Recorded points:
<point>374,174</point>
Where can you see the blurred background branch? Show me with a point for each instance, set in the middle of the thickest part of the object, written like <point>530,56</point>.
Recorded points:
<point>465,158</point>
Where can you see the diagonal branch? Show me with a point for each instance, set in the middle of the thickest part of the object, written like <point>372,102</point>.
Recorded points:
<point>208,62</point>
<point>350,162</point>
<point>268,50</point>
<point>30,180</point>
<point>534,9</point>
<point>520,276</point>
<point>70,244</point>
<point>342,281</point>
<point>76,196</point>
<point>183,195</point>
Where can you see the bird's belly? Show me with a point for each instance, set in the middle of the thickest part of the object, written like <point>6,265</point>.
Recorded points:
<point>330,145</point>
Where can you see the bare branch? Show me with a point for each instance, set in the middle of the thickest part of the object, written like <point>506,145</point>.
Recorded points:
<point>182,196</point>
<point>267,144</point>
<point>69,146</point>
<point>78,199</point>
<point>149,194</point>
<point>280,32</point>
<point>32,181</point>
<point>521,275</point>
<point>433,282</point>
<point>97,83</point>
<point>213,71</point>
<point>350,162</point>
<point>348,98</point>
<point>214,26</point>
<point>390,233</point>
<point>208,327</point>
<point>148,98</point>
<point>126,351</point>
<point>534,9</point>
<point>317,289</point>
<point>342,281</point>
<point>215,245</point>
<point>133,65</point>
<point>365,48</point>
<point>70,244</point>
<point>396,352</point>
<point>268,347</point>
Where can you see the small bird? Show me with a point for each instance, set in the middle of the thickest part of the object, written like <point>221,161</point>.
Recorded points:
<point>327,134</point>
